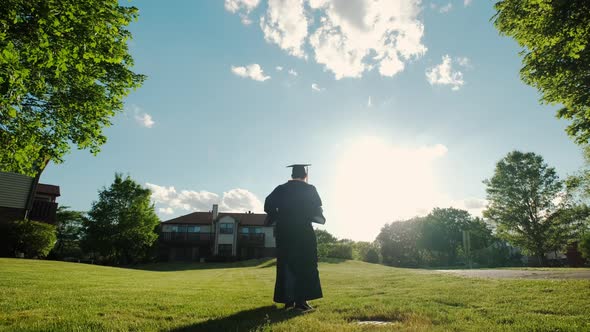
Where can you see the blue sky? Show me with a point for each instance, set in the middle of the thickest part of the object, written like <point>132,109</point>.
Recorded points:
<point>400,106</point>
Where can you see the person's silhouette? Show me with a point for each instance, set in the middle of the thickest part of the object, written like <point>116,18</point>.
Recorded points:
<point>293,206</point>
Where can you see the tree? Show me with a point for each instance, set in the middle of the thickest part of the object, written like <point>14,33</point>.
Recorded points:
<point>372,256</point>
<point>555,37</point>
<point>324,237</point>
<point>365,251</point>
<point>442,233</point>
<point>64,71</point>
<point>121,225</point>
<point>31,238</point>
<point>324,241</point>
<point>398,242</point>
<point>584,246</point>
<point>523,195</point>
<point>340,249</point>
<point>69,230</point>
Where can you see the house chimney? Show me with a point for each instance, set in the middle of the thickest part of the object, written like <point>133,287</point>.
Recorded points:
<point>215,211</point>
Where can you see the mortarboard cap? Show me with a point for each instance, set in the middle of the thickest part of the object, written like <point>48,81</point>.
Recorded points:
<point>299,170</point>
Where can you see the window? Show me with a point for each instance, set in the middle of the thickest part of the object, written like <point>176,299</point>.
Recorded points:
<point>224,250</point>
<point>244,230</point>
<point>257,230</point>
<point>226,228</point>
<point>193,229</point>
<point>170,228</point>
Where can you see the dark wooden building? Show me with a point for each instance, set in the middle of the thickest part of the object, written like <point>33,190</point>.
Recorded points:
<point>22,198</point>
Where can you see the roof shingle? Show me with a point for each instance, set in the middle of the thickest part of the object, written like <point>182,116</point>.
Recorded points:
<point>206,218</point>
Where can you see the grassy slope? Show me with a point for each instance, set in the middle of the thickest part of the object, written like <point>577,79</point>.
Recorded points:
<point>45,295</point>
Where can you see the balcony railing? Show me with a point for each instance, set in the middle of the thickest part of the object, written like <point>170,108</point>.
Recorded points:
<point>186,237</point>
<point>43,211</point>
<point>256,239</point>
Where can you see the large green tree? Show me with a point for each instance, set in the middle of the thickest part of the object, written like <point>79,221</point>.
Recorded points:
<point>64,71</point>
<point>122,225</point>
<point>524,196</point>
<point>555,40</point>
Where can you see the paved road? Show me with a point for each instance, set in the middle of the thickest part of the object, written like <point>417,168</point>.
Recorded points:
<point>521,274</point>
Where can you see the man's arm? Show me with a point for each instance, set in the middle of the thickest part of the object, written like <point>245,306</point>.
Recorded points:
<point>318,211</point>
<point>270,207</point>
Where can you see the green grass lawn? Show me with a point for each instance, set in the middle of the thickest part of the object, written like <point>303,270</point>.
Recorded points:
<point>57,296</point>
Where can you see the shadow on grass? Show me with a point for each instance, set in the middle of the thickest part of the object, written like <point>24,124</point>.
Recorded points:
<point>247,320</point>
<point>184,266</point>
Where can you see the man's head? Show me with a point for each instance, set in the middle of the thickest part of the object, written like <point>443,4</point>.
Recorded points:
<point>299,171</point>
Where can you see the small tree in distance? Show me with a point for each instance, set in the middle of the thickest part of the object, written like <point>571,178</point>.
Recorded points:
<point>121,225</point>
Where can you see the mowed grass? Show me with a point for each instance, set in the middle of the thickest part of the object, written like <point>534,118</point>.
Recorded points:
<point>58,296</point>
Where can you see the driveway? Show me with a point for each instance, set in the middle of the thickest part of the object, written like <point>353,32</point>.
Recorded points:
<point>521,274</point>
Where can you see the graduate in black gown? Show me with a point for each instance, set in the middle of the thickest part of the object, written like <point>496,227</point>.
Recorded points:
<point>293,206</point>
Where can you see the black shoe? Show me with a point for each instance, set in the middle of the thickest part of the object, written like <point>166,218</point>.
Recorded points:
<point>303,307</point>
<point>289,305</point>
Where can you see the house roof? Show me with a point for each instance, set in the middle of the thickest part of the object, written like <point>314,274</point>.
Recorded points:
<point>206,218</point>
<point>249,219</point>
<point>48,189</point>
<point>198,218</point>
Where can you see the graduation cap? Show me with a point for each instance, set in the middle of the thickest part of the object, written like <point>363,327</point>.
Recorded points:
<point>299,170</point>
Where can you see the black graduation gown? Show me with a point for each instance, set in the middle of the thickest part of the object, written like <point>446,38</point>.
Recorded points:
<point>292,206</point>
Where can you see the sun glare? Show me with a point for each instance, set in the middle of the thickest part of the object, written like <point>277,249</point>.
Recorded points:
<point>376,182</point>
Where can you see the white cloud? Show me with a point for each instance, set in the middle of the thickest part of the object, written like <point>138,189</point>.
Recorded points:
<point>279,68</point>
<point>167,210</point>
<point>464,62</point>
<point>169,200</point>
<point>348,37</point>
<point>443,74</point>
<point>369,102</point>
<point>292,72</point>
<point>285,24</point>
<point>242,7</point>
<point>240,200</point>
<point>474,206</point>
<point>316,87</point>
<point>237,5</point>
<point>252,71</point>
<point>446,8</point>
<point>145,120</point>
<point>355,36</point>
<point>141,117</point>
<point>467,2</point>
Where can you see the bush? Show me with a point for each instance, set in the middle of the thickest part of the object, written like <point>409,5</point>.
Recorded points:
<point>372,256</point>
<point>584,246</point>
<point>340,250</point>
<point>32,238</point>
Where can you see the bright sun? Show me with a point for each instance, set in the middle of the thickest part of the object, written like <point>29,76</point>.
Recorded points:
<point>376,182</point>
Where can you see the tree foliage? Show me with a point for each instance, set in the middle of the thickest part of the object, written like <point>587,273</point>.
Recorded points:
<point>365,251</point>
<point>33,239</point>
<point>121,225</point>
<point>584,246</point>
<point>69,231</point>
<point>523,197</point>
<point>555,37</point>
<point>398,242</point>
<point>64,71</point>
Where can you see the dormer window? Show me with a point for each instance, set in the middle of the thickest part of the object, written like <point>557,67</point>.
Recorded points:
<point>226,228</point>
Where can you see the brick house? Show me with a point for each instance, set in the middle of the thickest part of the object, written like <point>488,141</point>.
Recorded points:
<point>201,235</point>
